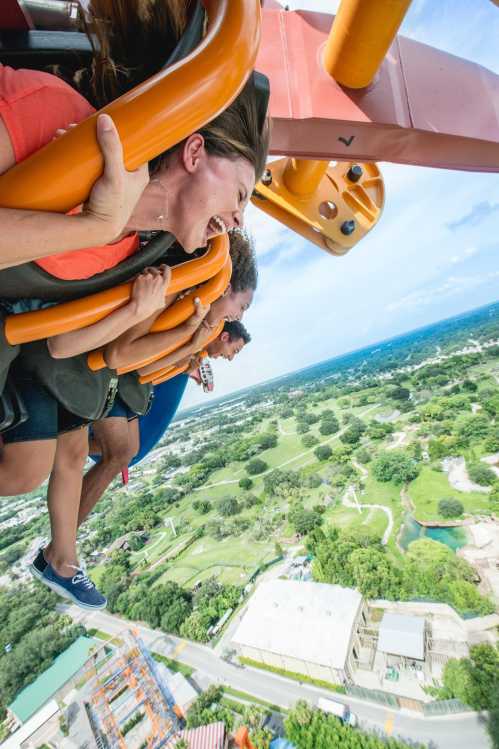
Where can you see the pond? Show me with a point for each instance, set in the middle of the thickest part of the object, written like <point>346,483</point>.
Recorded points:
<point>454,537</point>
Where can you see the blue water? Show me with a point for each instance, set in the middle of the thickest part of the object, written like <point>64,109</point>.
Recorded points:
<point>281,744</point>
<point>453,537</point>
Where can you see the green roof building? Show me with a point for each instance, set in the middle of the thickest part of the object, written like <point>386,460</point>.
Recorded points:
<point>41,691</point>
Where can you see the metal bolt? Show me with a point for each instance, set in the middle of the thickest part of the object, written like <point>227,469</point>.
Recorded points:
<point>354,173</point>
<point>347,227</point>
<point>267,178</point>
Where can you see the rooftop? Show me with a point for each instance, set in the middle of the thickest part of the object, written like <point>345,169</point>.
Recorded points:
<point>211,736</point>
<point>307,620</point>
<point>34,696</point>
<point>400,634</point>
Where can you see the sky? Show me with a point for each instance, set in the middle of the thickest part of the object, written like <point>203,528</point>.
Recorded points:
<point>432,255</point>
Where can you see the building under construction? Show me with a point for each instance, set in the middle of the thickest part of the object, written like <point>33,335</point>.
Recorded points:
<point>128,705</point>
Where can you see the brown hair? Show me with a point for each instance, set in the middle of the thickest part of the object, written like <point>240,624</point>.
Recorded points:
<point>244,271</point>
<point>131,41</point>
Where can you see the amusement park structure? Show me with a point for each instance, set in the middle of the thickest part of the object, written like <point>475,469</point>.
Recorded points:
<point>125,685</point>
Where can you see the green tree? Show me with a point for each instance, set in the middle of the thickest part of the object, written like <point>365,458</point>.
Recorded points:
<point>245,483</point>
<point>303,520</point>
<point>450,507</point>
<point>228,506</point>
<point>363,455</point>
<point>395,466</point>
<point>493,718</point>
<point>323,452</point>
<point>481,474</point>
<point>474,680</point>
<point>309,440</point>
<point>374,574</point>
<point>328,424</point>
<point>309,728</point>
<point>256,466</point>
<point>437,449</point>
<point>494,497</point>
<point>472,428</point>
<point>203,506</point>
<point>377,430</point>
<point>208,708</point>
<point>196,626</point>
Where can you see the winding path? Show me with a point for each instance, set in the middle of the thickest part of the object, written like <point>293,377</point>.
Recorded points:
<point>354,504</point>
<point>398,440</point>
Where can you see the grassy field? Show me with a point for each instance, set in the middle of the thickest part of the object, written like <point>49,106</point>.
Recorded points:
<point>432,486</point>
<point>234,559</point>
<point>231,560</point>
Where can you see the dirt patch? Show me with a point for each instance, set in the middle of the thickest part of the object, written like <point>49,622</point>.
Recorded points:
<point>455,468</point>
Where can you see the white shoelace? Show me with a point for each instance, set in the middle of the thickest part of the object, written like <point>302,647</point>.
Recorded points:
<point>80,578</point>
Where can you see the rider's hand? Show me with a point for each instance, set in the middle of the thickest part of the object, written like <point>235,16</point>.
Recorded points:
<point>200,312</point>
<point>149,291</point>
<point>201,337</point>
<point>117,191</point>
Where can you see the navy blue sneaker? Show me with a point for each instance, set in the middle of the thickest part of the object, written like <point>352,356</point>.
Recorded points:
<point>37,566</point>
<point>78,588</point>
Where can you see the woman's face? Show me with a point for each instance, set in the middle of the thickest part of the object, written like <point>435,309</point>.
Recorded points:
<point>211,197</point>
<point>230,307</point>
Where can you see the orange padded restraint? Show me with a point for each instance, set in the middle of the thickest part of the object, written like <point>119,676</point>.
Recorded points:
<point>150,118</point>
<point>62,318</point>
<point>166,373</point>
<point>170,372</point>
<point>178,313</point>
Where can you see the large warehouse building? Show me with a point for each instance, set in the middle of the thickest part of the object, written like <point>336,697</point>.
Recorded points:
<point>306,627</point>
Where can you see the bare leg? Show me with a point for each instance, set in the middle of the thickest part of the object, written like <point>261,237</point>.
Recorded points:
<point>63,499</point>
<point>118,441</point>
<point>25,465</point>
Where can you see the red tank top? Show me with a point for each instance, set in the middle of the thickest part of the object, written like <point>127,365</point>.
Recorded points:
<point>33,105</point>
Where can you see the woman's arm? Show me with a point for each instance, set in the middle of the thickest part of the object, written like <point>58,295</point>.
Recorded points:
<point>147,300</point>
<point>138,344</point>
<point>201,336</point>
<point>30,235</point>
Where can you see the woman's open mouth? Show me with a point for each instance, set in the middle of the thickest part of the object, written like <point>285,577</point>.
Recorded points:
<point>216,225</point>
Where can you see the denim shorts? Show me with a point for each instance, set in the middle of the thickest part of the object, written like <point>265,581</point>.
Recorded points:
<point>47,418</point>
<point>120,408</point>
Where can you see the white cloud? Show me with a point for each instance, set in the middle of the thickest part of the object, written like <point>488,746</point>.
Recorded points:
<point>454,286</point>
<point>468,253</point>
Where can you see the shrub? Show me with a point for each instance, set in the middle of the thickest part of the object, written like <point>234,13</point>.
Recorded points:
<point>309,440</point>
<point>329,426</point>
<point>363,455</point>
<point>245,483</point>
<point>228,506</point>
<point>450,507</point>
<point>202,506</point>
<point>323,452</point>
<point>256,466</point>
<point>481,474</point>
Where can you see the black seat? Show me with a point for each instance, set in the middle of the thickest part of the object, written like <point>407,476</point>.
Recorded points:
<point>36,50</point>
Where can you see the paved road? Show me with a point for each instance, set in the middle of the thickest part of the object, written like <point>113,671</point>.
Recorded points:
<point>463,731</point>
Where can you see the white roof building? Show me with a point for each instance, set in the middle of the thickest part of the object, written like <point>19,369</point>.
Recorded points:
<point>400,634</point>
<point>311,622</point>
